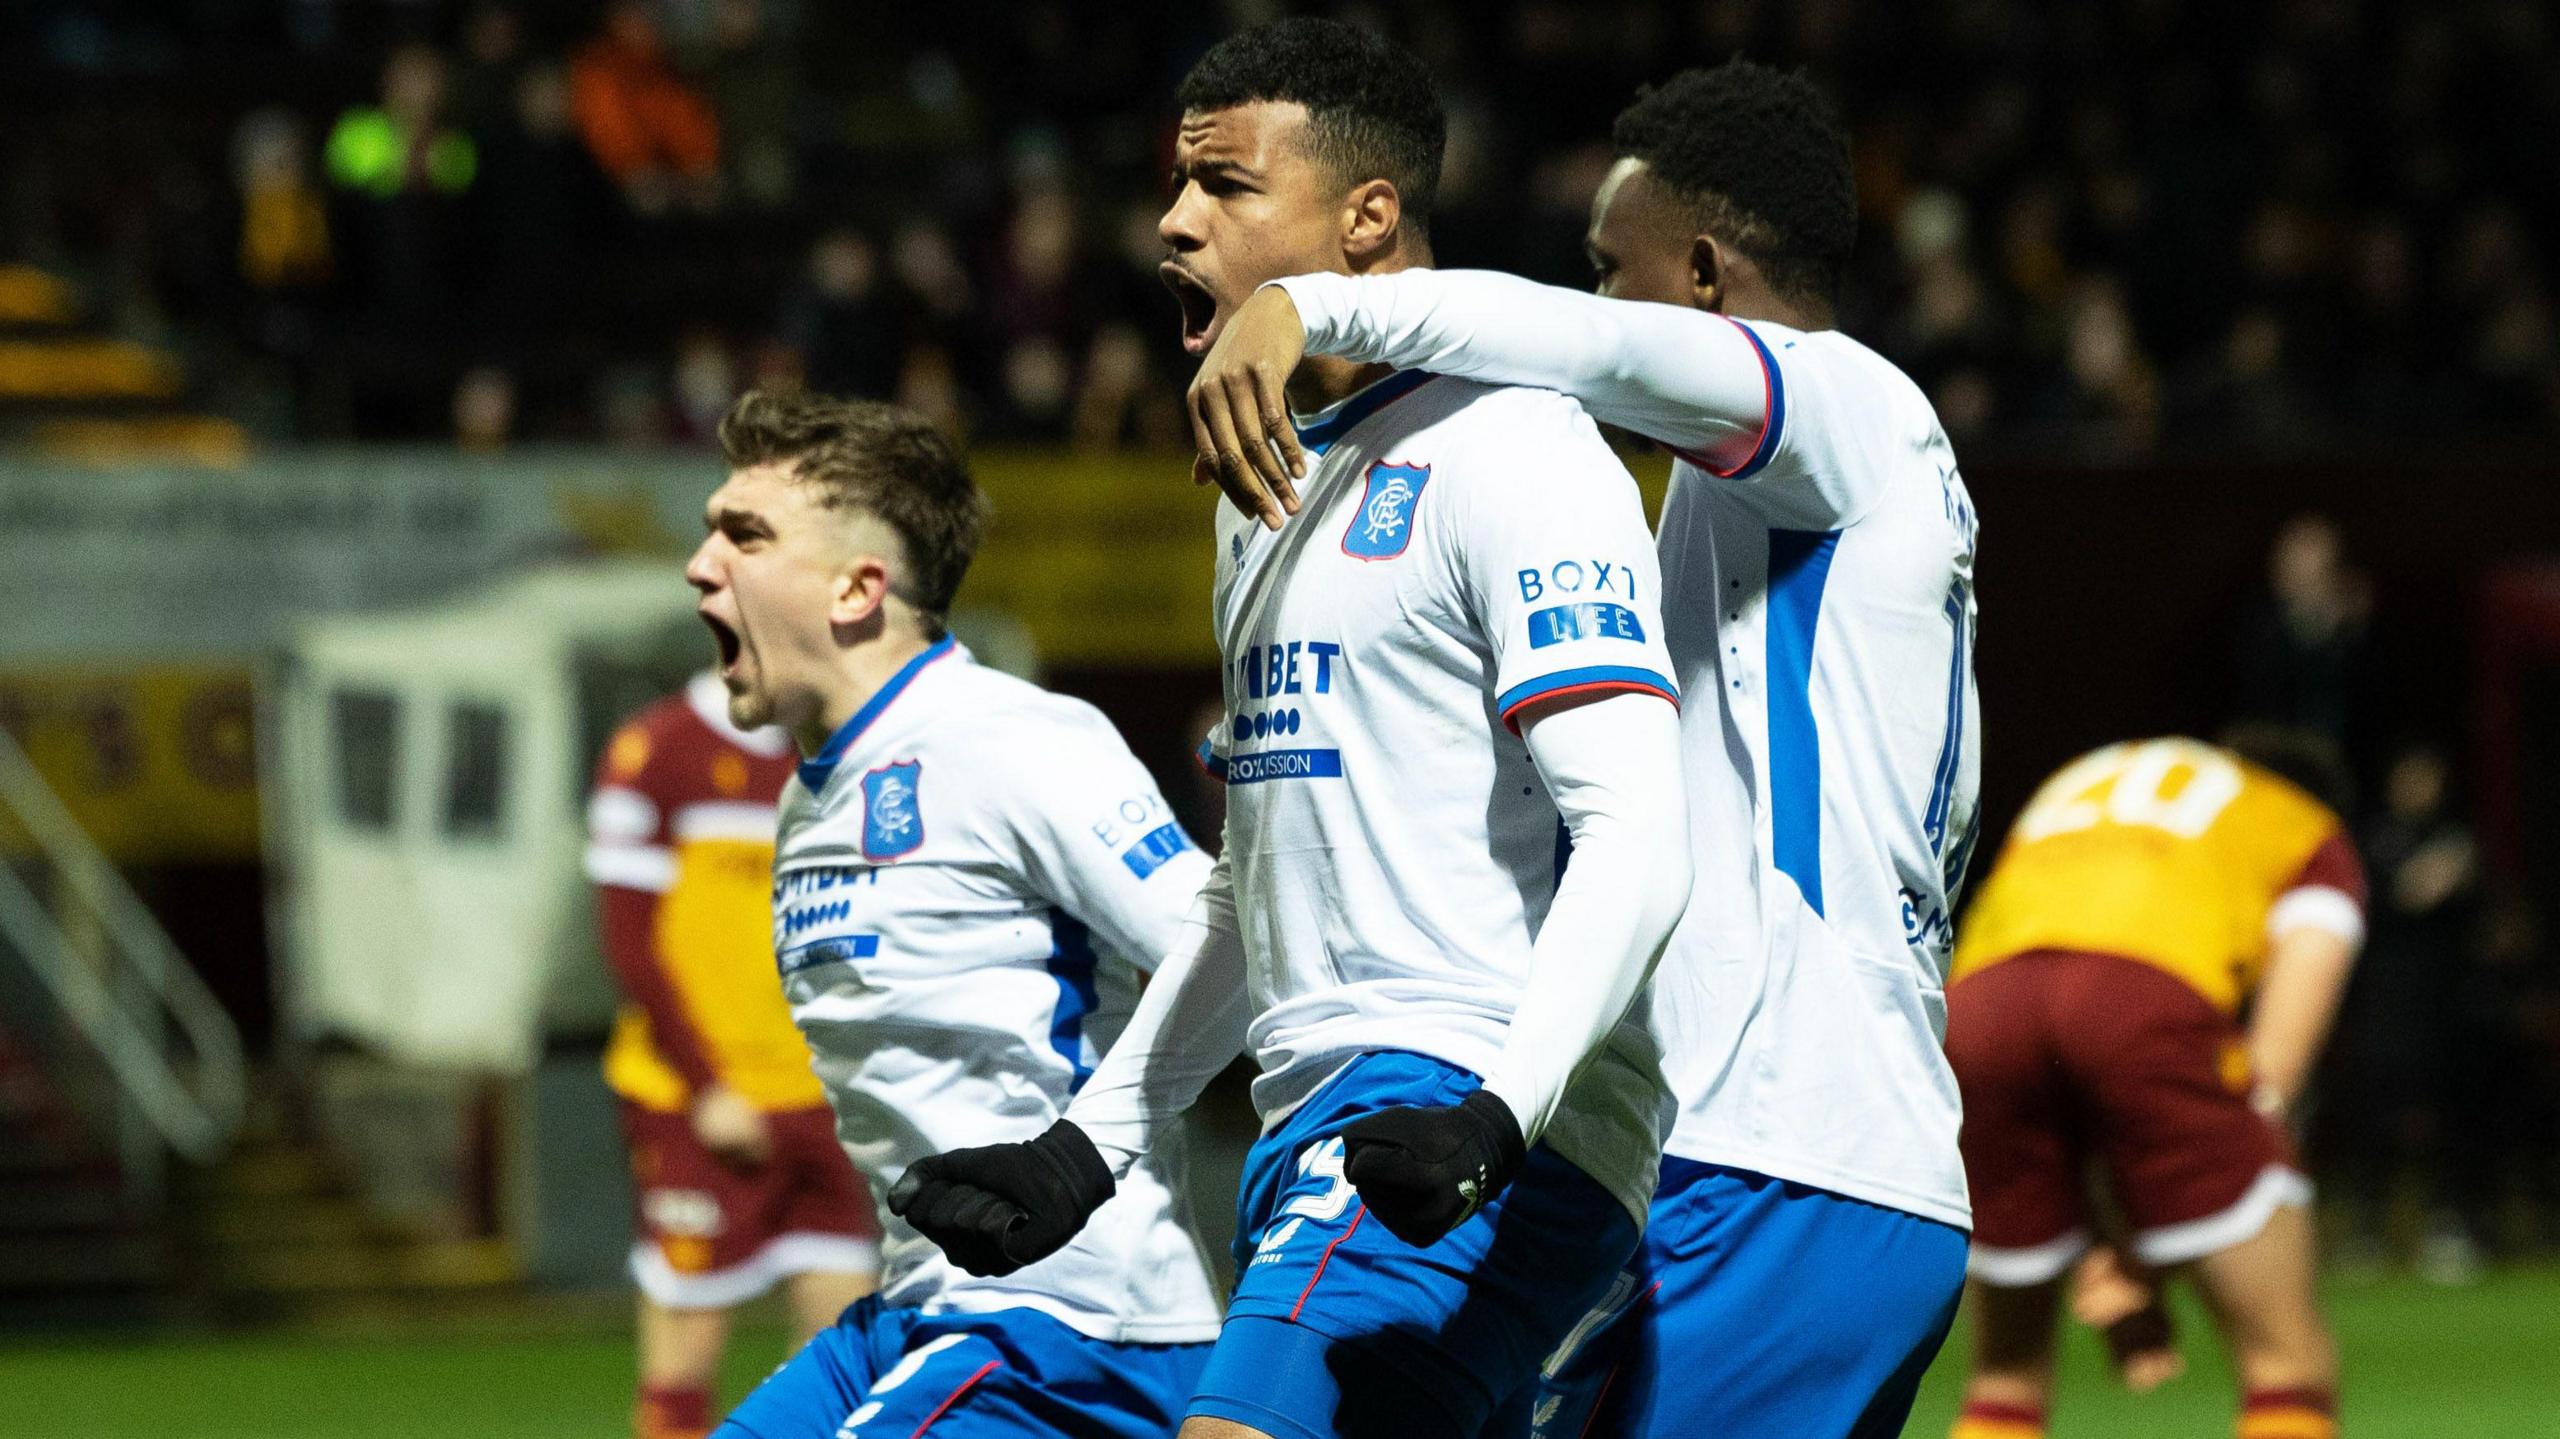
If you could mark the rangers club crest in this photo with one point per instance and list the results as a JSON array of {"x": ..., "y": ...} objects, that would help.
[
  {"x": 891, "y": 823},
  {"x": 1383, "y": 525}
]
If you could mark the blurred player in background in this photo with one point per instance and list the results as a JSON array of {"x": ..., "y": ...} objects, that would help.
[
  {"x": 734, "y": 1162},
  {"x": 1806, "y": 1248},
  {"x": 1455, "y": 835},
  {"x": 970, "y": 874},
  {"x": 2150, "y": 892}
]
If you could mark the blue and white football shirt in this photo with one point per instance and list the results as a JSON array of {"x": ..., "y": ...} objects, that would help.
[
  {"x": 968, "y": 879},
  {"x": 1463, "y": 552}
]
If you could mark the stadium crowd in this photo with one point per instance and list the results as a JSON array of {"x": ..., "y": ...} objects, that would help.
[
  {"x": 2094, "y": 229},
  {"x": 2100, "y": 227}
]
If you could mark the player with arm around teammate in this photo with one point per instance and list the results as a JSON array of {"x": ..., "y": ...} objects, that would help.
[
  {"x": 2148, "y": 893},
  {"x": 1455, "y": 838},
  {"x": 969, "y": 872},
  {"x": 1806, "y": 1248}
]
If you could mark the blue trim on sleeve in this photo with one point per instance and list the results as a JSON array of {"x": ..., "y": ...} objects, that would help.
[
  {"x": 1773, "y": 429},
  {"x": 1616, "y": 676},
  {"x": 1319, "y": 436},
  {"x": 1071, "y": 964},
  {"x": 818, "y": 768},
  {"x": 1799, "y": 567},
  {"x": 1211, "y": 762}
]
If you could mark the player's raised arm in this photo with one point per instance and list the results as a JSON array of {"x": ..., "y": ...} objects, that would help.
[{"x": 1692, "y": 380}]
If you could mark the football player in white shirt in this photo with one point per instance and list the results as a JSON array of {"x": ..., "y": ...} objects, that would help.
[
  {"x": 1455, "y": 838},
  {"x": 1808, "y": 1244},
  {"x": 967, "y": 868}
]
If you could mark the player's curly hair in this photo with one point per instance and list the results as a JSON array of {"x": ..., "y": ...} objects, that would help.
[
  {"x": 885, "y": 460},
  {"x": 1373, "y": 112},
  {"x": 1762, "y": 158}
]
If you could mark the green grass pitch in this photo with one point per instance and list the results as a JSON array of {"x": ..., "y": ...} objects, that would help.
[{"x": 2421, "y": 1363}]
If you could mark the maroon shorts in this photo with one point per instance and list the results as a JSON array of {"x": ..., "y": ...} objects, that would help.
[
  {"x": 708, "y": 1235},
  {"x": 2069, "y": 1061}
]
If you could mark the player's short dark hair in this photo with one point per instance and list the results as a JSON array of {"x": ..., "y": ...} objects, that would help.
[
  {"x": 1762, "y": 158},
  {"x": 2310, "y": 761},
  {"x": 885, "y": 460},
  {"x": 1372, "y": 111}
]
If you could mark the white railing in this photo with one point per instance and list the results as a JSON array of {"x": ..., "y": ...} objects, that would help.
[{"x": 121, "y": 989}]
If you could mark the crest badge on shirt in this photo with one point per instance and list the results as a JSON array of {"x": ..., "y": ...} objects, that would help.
[
  {"x": 1383, "y": 525},
  {"x": 891, "y": 823}
]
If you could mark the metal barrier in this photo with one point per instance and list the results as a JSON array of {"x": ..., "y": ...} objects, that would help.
[{"x": 138, "y": 1044}]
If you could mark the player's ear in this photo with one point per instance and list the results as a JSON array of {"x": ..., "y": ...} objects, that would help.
[
  {"x": 1708, "y": 273},
  {"x": 1373, "y": 213},
  {"x": 861, "y": 588}
]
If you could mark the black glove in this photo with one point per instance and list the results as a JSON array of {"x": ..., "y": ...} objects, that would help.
[
  {"x": 998, "y": 1207},
  {"x": 1423, "y": 1171}
]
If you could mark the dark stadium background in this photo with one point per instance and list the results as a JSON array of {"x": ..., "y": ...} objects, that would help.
[{"x": 2182, "y": 278}]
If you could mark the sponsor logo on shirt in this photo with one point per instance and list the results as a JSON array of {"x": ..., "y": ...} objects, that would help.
[
  {"x": 1268, "y": 1251},
  {"x": 1383, "y": 526},
  {"x": 891, "y": 824},
  {"x": 1561, "y": 624}
]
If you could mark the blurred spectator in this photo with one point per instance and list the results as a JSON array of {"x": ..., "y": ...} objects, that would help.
[
  {"x": 2302, "y": 643},
  {"x": 484, "y": 82},
  {"x": 755, "y": 86},
  {"x": 403, "y": 146},
  {"x": 402, "y": 168},
  {"x": 650, "y": 129},
  {"x": 484, "y": 411},
  {"x": 284, "y": 222},
  {"x": 844, "y": 319},
  {"x": 539, "y": 206},
  {"x": 2384, "y": 1109},
  {"x": 705, "y": 385}
]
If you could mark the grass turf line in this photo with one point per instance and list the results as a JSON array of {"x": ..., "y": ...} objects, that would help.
[{"x": 2421, "y": 1363}]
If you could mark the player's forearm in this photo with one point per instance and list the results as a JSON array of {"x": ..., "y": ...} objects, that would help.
[
  {"x": 628, "y": 921},
  {"x": 2306, "y": 976},
  {"x": 1189, "y": 1023},
  {"x": 1686, "y": 378},
  {"x": 1613, "y": 768}
]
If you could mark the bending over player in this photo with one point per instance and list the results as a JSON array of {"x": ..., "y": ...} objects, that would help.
[
  {"x": 2148, "y": 893},
  {"x": 1807, "y": 1245},
  {"x": 738, "y": 1181},
  {"x": 1457, "y": 646},
  {"x": 967, "y": 867}
]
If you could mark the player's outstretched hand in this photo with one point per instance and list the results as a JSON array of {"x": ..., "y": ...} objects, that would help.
[
  {"x": 998, "y": 1207},
  {"x": 1240, "y": 408},
  {"x": 1423, "y": 1171}
]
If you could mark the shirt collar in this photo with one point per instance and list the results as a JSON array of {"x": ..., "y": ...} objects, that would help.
[
  {"x": 1318, "y": 432},
  {"x": 818, "y": 768}
]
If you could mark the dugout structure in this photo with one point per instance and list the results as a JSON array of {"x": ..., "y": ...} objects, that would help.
[{"x": 424, "y": 778}]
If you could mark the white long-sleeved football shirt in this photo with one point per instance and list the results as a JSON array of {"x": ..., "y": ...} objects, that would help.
[
  {"x": 1394, "y": 852},
  {"x": 968, "y": 877}
]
